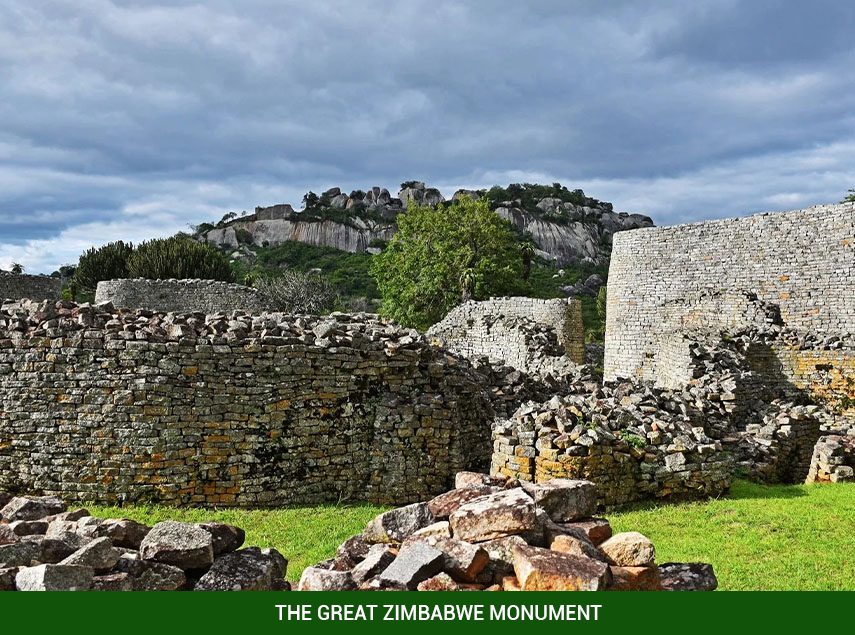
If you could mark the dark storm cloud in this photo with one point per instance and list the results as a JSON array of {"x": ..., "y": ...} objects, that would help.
[{"x": 133, "y": 119}]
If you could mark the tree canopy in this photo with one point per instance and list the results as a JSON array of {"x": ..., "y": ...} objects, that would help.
[{"x": 442, "y": 256}]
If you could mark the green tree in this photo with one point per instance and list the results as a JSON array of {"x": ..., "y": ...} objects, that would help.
[
  {"x": 17, "y": 268},
  {"x": 850, "y": 198},
  {"x": 108, "y": 262},
  {"x": 310, "y": 200},
  {"x": 527, "y": 250},
  {"x": 178, "y": 257},
  {"x": 440, "y": 256},
  {"x": 601, "y": 303}
]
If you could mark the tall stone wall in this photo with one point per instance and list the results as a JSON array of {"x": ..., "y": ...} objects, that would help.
[
  {"x": 803, "y": 262},
  {"x": 120, "y": 406},
  {"x": 18, "y": 286},
  {"x": 519, "y": 331},
  {"x": 204, "y": 296}
]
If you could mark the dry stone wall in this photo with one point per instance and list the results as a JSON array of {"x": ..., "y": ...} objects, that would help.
[
  {"x": 522, "y": 332},
  {"x": 207, "y": 296},
  {"x": 111, "y": 406},
  {"x": 19, "y": 286},
  {"x": 707, "y": 275}
]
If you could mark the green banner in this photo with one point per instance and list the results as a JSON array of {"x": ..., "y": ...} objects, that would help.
[{"x": 416, "y": 612}]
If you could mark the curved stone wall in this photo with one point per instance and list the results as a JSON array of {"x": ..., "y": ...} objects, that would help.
[
  {"x": 519, "y": 331},
  {"x": 18, "y": 286},
  {"x": 203, "y": 296},
  {"x": 801, "y": 261},
  {"x": 121, "y": 406}
]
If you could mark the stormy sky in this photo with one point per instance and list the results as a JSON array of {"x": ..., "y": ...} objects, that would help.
[{"x": 131, "y": 120}]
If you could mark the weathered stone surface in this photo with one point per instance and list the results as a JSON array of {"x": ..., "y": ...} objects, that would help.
[
  {"x": 354, "y": 548},
  {"x": 544, "y": 570},
  {"x": 470, "y": 479},
  {"x": 58, "y": 547},
  {"x": 635, "y": 579},
  {"x": 183, "y": 545},
  {"x": 463, "y": 560},
  {"x": 493, "y": 516},
  {"x": 314, "y": 579},
  {"x": 577, "y": 546},
  {"x": 113, "y": 582},
  {"x": 54, "y": 577},
  {"x": 7, "y": 578},
  {"x": 446, "y": 504},
  {"x": 123, "y": 532},
  {"x": 98, "y": 554},
  {"x": 244, "y": 570},
  {"x": 7, "y": 535},
  {"x": 19, "y": 554},
  {"x": 439, "y": 582},
  {"x": 501, "y": 552},
  {"x": 687, "y": 576},
  {"x": 152, "y": 576},
  {"x": 31, "y": 508},
  {"x": 28, "y": 527},
  {"x": 598, "y": 530},
  {"x": 225, "y": 538},
  {"x": 510, "y": 583},
  {"x": 564, "y": 500},
  {"x": 414, "y": 564},
  {"x": 376, "y": 561},
  {"x": 395, "y": 525},
  {"x": 630, "y": 549}
]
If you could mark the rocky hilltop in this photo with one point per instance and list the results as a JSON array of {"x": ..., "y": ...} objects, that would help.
[{"x": 566, "y": 226}]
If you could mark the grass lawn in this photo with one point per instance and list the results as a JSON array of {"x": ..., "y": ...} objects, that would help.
[{"x": 784, "y": 537}]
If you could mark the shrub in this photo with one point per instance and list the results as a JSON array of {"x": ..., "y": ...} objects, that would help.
[
  {"x": 108, "y": 262},
  {"x": 297, "y": 292},
  {"x": 178, "y": 257}
]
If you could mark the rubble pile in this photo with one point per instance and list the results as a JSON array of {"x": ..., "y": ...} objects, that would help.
[
  {"x": 493, "y": 533},
  {"x": 44, "y": 547}
]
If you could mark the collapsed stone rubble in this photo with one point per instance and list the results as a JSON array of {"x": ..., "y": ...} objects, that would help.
[
  {"x": 44, "y": 547},
  {"x": 493, "y": 533}
]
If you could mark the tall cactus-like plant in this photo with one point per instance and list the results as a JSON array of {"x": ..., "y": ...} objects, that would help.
[
  {"x": 107, "y": 262},
  {"x": 179, "y": 257}
]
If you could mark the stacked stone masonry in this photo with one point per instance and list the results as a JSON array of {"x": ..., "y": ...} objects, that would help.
[
  {"x": 112, "y": 406},
  {"x": 798, "y": 266},
  {"x": 522, "y": 332},
  {"x": 19, "y": 286},
  {"x": 205, "y": 296}
]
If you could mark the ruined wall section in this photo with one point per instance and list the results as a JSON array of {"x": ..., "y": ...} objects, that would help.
[
  {"x": 802, "y": 261},
  {"x": 203, "y": 296},
  {"x": 120, "y": 406},
  {"x": 519, "y": 331},
  {"x": 18, "y": 286}
]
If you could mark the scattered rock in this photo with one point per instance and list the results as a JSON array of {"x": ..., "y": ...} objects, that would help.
[
  {"x": 687, "y": 576},
  {"x": 544, "y": 570},
  {"x": 314, "y": 579},
  {"x": 244, "y": 570},
  {"x": 630, "y": 549},
  {"x": 414, "y": 564},
  {"x": 493, "y": 516},
  {"x": 395, "y": 525},
  {"x": 183, "y": 545},
  {"x": 55, "y": 577},
  {"x": 31, "y": 508},
  {"x": 564, "y": 500}
]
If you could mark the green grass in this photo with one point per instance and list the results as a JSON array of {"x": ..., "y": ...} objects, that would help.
[{"x": 763, "y": 537}]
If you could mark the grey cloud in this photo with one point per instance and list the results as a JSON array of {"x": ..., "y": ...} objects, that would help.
[{"x": 190, "y": 109}]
